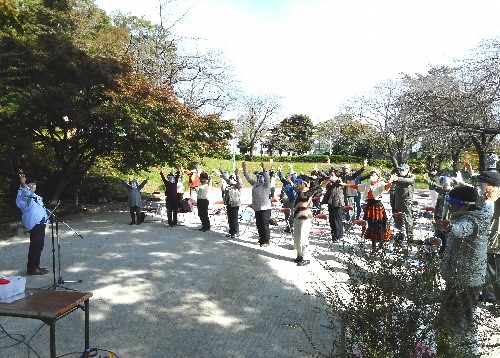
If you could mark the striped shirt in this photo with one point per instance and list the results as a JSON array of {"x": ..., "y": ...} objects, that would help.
[{"x": 302, "y": 206}]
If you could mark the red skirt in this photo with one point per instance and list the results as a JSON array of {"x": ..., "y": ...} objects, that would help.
[{"x": 376, "y": 218}]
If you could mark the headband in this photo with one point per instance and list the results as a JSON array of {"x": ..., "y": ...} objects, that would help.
[{"x": 457, "y": 201}]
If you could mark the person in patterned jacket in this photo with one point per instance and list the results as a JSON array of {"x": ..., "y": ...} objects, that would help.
[{"x": 463, "y": 268}]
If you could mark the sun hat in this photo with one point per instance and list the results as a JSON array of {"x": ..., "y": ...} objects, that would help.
[
  {"x": 462, "y": 195},
  {"x": 489, "y": 177}
]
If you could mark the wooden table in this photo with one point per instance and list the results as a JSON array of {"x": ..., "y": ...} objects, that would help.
[{"x": 49, "y": 305}]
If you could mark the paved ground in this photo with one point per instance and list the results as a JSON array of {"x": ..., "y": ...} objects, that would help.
[{"x": 161, "y": 292}]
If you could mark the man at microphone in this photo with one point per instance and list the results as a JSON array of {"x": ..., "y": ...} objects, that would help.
[{"x": 33, "y": 217}]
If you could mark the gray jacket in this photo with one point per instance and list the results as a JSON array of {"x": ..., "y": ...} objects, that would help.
[
  {"x": 134, "y": 194},
  {"x": 404, "y": 188},
  {"x": 260, "y": 192},
  {"x": 464, "y": 261},
  {"x": 233, "y": 192}
]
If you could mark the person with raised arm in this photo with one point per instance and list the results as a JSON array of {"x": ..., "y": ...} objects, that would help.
[{"x": 261, "y": 203}]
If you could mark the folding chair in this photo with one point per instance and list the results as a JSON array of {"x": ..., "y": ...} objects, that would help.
[
  {"x": 321, "y": 227},
  {"x": 316, "y": 205},
  {"x": 247, "y": 219},
  {"x": 218, "y": 215},
  {"x": 286, "y": 225}
]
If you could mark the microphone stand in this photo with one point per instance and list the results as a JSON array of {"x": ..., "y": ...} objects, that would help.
[{"x": 55, "y": 239}]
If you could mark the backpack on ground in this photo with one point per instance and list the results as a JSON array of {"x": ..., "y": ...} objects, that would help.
[{"x": 187, "y": 205}]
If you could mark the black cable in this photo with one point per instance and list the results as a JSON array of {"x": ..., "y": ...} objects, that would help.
[
  {"x": 93, "y": 353},
  {"x": 19, "y": 341},
  {"x": 33, "y": 336}
]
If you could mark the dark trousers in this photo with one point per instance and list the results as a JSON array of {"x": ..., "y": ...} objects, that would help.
[
  {"x": 37, "y": 240},
  {"x": 180, "y": 197},
  {"x": 203, "y": 213},
  {"x": 491, "y": 291},
  {"x": 135, "y": 211},
  {"x": 289, "y": 215},
  {"x": 335, "y": 215},
  {"x": 457, "y": 326},
  {"x": 262, "y": 218},
  {"x": 271, "y": 192},
  {"x": 172, "y": 206},
  {"x": 407, "y": 221},
  {"x": 232, "y": 219}
]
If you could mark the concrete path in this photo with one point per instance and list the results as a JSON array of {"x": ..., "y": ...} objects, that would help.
[{"x": 161, "y": 292}]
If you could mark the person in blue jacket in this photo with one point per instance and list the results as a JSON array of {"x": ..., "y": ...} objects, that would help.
[
  {"x": 288, "y": 194},
  {"x": 34, "y": 218}
]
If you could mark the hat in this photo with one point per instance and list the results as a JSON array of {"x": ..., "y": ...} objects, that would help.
[
  {"x": 461, "y": 195},
  {"x": 299, "y": 181},
  {"x": 346, "y": 166},
  {"x": 403, "y": 166},
  {"x": 204, "y": 176},
  {"x": 489, "y": 177},
  {"x": 376, "y": 171},
  {"x": 491, "y": 160},
  {"x": 443, "y": 179}
]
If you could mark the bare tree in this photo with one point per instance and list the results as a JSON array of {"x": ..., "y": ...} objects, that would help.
[
  {"x": 203, "y": 81},
  {"x": 258, "y": 119},
  {"x": 384, "y": 109},
  {"x": 463, "y": 99}
]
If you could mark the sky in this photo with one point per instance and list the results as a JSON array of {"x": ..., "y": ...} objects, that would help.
[{"x": 317, "y": 54}]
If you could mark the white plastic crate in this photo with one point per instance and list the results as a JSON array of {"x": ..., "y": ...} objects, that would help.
[{"x": 16, "y": 286}]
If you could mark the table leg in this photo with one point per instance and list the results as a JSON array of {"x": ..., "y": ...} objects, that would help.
[
  {"x": 52, "y": 325},
  {"x": 87, "y": 326}
]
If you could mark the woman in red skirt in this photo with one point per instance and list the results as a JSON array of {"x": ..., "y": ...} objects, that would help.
[{"x": 377, "y": 230}]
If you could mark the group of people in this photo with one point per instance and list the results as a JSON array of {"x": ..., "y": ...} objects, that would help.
[{"x": 466, "y": 219}]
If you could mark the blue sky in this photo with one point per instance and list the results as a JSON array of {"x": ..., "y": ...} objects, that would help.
[{"x": 316, "y": 54}]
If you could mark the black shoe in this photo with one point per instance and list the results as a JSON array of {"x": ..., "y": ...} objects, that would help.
[
  {"x": 132, "y": 223},
  {"x": 38, "y": 271},
  {"x": 298, "y": 259},
  {"x": 205, "y": 229},
  {"x": 229, "y": 235},
  {"x": 303, "y": 263},
  {"x": 201, "y": 229}
]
